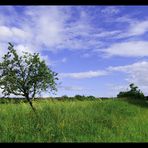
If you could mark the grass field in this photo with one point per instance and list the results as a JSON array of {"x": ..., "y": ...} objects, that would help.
[{"x": 75, "y": 121}]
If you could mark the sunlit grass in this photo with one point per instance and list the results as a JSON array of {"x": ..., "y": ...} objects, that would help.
[{"x": 74, "y": 121}]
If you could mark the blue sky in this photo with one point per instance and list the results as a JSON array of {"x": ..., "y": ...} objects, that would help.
[{"x": 97, "y": 50}]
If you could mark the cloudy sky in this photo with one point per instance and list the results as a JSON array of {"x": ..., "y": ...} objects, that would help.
[{"x": 97, "y": 50}]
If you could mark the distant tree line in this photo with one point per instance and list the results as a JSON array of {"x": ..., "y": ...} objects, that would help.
[
  {"x": 62, "y": 98},
  {"x": 133, "y": 93}
]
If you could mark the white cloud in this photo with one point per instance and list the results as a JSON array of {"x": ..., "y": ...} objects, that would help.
[
  {"x": 19, "y": 33},
  {"x": 117, "y": 87},
  {"x": 36, "y": 27},
  {"x": 137, "y": 72},
  {"x": 114, "y": 89},
  {"x": 135, "y": 28},
  {"x": 125, "y": 19},
  {"x": 132, "y": 26},
  {"x": 72, "y": 88},
  {"x": 21, "y": 48},
  {"x": 47, "y": 60},
  {"x": 46, "y": 26},
  {"x": 139, "y": 28},
  {"x": 31, "y": 49},
  {"x": 13, "y": 33},
  {"x": 54, "y": 28},
  {"x": 128, "y": 49},
  {"x": 110, "y": 10},
  {"x": 82, "y": 75},
  {"x": 5, "y": 32}
]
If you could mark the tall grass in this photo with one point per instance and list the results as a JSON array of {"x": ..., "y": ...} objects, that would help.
[{"x": 74, "y": 121}]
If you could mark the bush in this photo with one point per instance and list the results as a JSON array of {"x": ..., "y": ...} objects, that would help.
[
  {"x": 65, "y": 97},
  {"x": 79, "y": 97},
  {"x": 91, "y": 98},
  {"x": 134, "y": 93}
]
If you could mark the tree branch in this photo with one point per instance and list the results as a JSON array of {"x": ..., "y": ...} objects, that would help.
[{"x": 34, "y": 90}]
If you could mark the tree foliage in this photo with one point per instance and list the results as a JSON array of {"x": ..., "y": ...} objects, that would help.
[
  {"x": 25, "y": 75},
  {"x": 134, "y": 92}
]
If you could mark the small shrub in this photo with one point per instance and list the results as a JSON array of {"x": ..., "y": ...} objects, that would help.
[
  {"x": 91, "y": 98},
  {"x": 65, "y": 97},
  {"x": 79, "y": 97}
]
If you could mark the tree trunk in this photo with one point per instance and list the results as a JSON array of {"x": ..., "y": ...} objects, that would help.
[{"x": 30, "y": 102}]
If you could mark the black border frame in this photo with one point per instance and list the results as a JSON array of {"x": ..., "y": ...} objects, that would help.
[{"x": 73, "y": 2}]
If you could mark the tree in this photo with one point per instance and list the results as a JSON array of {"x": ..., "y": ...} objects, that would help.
[
  {"x": 133, "y": 88},
  {"x": 134, "y": 92},
  {"x": 25, "y": 75}
]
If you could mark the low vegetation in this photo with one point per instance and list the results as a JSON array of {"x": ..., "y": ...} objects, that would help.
[{"x": 106, "y": 120}]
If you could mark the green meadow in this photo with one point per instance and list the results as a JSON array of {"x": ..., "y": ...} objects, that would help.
[{"x": 97, "y": 120}]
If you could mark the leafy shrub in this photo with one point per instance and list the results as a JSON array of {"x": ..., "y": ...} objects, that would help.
[
  {"x": 82, "y": 98},
  {"x": 134, "y": 92},
  {"x": 91, "y": 98},
  {"x": 79, "y": 97},
  {"x": 64, "y": 97}
]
